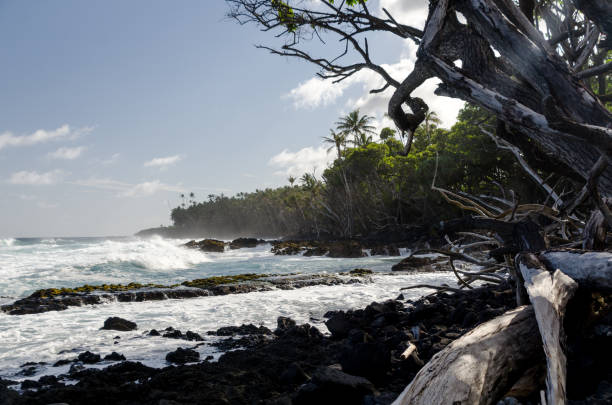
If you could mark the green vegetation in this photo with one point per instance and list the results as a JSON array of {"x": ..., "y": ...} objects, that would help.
[
  {"x": 371, "y": 187},
  {"x": 360, "y": 272},
  {"x": 52, "y": 292},
  {"x": 112, "y": 288},
  {"x": 218, "y": 280}
]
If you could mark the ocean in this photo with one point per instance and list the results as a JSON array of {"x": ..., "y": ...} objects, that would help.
[{"x": 29, "y": 264}]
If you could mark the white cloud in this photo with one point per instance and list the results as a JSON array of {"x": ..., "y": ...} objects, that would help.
[
  {"x": 317, "y": 92},
  {"x": 412, "y": 12},
  {"x": 104, "y": 184},
  {"x": 149, "y": 188},
  {"x": 36, "y": 179},
  {"x": 163, "y": 162},
  {"x": 67, "y": 153},
  {"x": 303, "y": 161},
  {"x": 124, "y": 189},
  {"x": 41, "y": 135}
]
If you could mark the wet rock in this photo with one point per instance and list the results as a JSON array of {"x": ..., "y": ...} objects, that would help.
[
  {"x": 88, "y": 358},
  {"x": 207, "y": 245},
  {"x": 173, "y": 334},
  {"x": 63, "y": 362},
  {"x": 284, "y": 323},
  {"x": 114, "y": 356},
  {"x": 339, "y": 325},
  {"x": 27, "y": 371},
  {"x": 243, "y": 329},
  {"x": 30, "y": 384},
  {"x": 316, "y": 251},
  {"x": 245, "y": 243},
  {"x": 244, "y": 342},
  {"x": 75, "y": 368},
  {"x": 361, "y": 272},
  {"x": 189, "y": 335},
  {"x": 154, "y": 332},
  {"x": 285, "y": 248},
  {"x": 48, "y": 380},
  {"x": 120, "y": 324},
  {"x": 182, "y": 356}
]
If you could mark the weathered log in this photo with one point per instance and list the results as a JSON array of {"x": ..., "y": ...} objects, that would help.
[
  {"x": 549, "y": 294},
  {"x": 589, "y": 269},
  {"x": 481, "y": 366}
]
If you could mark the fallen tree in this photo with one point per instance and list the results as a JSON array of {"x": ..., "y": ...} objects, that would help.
[{"x": 542, "y": 69}]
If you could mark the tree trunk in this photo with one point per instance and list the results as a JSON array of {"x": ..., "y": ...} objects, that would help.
[{"x": 549, "y": 295}]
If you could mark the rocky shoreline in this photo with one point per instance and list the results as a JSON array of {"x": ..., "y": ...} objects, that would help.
[
  {"x": 54, "y": 299},
  {"x": 369, "y": 357},
  {"x": 359, "y": 362}
]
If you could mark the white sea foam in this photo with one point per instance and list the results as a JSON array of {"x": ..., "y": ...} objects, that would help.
[
  {"x": 7, "y": 242},
  {"x": 52, "y": 263},
  {"x": 53, "y": 335}
]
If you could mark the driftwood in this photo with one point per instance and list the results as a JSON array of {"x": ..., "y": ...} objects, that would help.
[
  {"x": 549, "y": 295},
  {"x": 589, "y": 269},
  {"x": 481, "y": 366},
  {"x": 495, "y": 358}
]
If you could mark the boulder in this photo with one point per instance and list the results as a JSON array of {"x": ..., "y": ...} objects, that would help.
[
  {"x": 243, "y": 329},
  {"x": 244, "y": 243},
  {"x": 114, "y": 356},
  {"x": 89, "y": 357},
  {"x": 288, "y": 248},
  {"x": 120, "y": 324},
  {"x": 210, "y": 245},
  {"x": 182, "y": 356},
  {"x": 339, "y": 325}
]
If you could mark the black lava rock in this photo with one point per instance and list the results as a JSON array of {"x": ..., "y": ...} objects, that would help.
[
  {"x": 182, "y": 356},
  {"x": 114, "y": 356},
  {"x": 89, "y": 357},
  {"x": 120, "y": 324}
]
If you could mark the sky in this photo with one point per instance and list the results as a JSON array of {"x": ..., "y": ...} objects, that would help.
[{"x": 110, "y": 109}]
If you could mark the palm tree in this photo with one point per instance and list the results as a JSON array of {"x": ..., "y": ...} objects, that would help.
[
  {"x": 430, "y": 122},
  {"x": 337, "y": 140},
  {"x": 357, "y": 126},
  {"x": 362, "y": 139},
  {"x": 291, "y": 180}
]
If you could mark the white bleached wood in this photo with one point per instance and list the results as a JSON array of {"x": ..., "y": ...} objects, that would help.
[
  {"x": 480, "y": 366},
  {"x": 589, "y": 269},
  {"x": 549, "y": 294}
]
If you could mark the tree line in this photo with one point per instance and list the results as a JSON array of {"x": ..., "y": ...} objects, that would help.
[{"x": 372, "y": 186}]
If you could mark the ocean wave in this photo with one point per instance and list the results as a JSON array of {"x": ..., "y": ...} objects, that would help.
[{"x": 7, "y": 242}]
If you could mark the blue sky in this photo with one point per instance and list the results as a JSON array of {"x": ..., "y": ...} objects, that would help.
[{"x": 109, "y": 109}]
